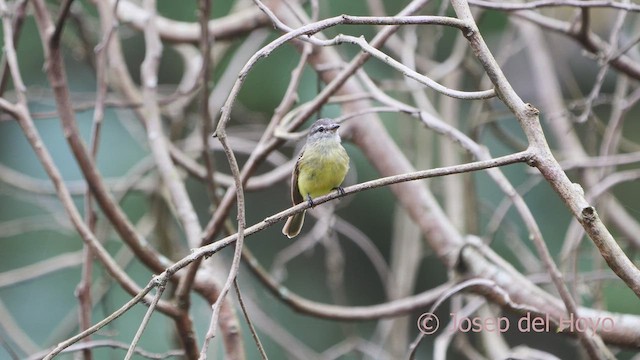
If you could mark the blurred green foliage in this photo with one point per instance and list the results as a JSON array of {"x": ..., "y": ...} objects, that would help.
[{"x": 46, "y": 307}]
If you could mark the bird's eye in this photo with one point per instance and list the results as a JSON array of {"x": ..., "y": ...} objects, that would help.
[{"x": 321, "y": 129}]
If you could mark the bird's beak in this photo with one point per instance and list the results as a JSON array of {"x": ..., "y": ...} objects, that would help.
[{"x": 334, "y": 127}]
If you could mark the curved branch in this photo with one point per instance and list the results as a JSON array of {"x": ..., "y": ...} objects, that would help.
[
  {"x": 406, "y": 71},
  {"x": 556, "y": 3},
  {"x": 590, "y": 41},
  {"x": 228, "y": 27}
]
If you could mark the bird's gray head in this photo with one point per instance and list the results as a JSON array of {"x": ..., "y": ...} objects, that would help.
[{"x": 323, "y": 129}]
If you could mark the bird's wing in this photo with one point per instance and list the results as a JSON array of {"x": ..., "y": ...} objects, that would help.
[{"x": 296, "y": 197}]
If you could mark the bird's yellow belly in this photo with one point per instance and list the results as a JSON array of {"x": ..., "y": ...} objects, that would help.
[{"x": 318, "y": 175}]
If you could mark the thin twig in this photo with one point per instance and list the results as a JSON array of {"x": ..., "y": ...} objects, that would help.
[
  {"x": 556, "y": 3},
  {"x": 252, "y": 329},
  {"x": 94, "y": 344},
  {"x": 107, "y": 320},
  {"x": 145, "y": 321}
]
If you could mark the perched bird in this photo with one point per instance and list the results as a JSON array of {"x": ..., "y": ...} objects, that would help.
[{"x": 321, "y": 167}]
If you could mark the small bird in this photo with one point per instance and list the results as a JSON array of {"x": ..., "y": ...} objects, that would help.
[{"x": 321, "y": 167}]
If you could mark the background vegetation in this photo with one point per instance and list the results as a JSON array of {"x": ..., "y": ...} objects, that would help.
[{"x": 503, "y": 242}]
